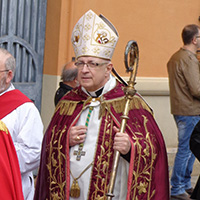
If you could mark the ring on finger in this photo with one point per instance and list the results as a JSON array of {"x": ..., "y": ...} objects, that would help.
[{"x": 78, "y": 138}]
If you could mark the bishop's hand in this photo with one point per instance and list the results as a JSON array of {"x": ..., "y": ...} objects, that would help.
[
  {"x": 77, "y": 135},
  {"x": 121, "y": 142}
]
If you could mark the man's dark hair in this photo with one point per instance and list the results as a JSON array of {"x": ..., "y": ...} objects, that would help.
[
  {"x": 68, "y": 74},
  {"x": 189, "y": 32}
]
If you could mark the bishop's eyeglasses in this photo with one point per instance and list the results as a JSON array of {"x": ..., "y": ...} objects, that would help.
[{"x": 90, "y": 65}]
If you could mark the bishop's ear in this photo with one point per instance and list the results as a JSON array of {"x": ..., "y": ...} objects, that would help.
[{"x": 109, "y": 68}]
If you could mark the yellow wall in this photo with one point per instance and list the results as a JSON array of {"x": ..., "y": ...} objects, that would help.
[{"x": 155, "y": 25}]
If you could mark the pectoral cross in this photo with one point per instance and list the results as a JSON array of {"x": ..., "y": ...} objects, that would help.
[{"x": 79, "y": 153}]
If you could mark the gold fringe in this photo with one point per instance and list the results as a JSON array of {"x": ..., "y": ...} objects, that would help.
[
  {"x": 119, "y": 104},
  {"x": 3, "y": 127},
  {"x": 66, "y": 107}
]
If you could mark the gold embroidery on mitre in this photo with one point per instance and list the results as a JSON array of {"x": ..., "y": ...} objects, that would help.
[
  {"x": 77, "y": 34},
  {"x": 89, "y": 16},
  {"x": 103, "y": 35},
  {"x": 86, "y": 37},
  {"x": 3, "y": 127},
  {"x": 85, "y": 50},
  {"x": 76, "y": 38},
  {"x": 87, "y": 27},
  {"x": 96, "y": 50},
  {"x": 101, "y": 38},
  {"x": 107, "y": 52}
]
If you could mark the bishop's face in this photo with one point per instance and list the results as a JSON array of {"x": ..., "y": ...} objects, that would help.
[{"x": 93, "y": 73}]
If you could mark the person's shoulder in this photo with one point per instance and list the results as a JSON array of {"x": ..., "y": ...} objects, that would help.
[
  {"x": 180, "y": 53},
  {"x": 182, "y": 57},
  {"x": 74, "y": 96},
  {"x": 28, "y": 108}
]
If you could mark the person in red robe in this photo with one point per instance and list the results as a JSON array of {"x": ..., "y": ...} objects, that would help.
[
  {"x": 79, "y": 144},
  {"x": 10, "y": 186}
]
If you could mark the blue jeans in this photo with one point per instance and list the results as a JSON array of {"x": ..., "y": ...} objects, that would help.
[{"x": 184, "y": 160}]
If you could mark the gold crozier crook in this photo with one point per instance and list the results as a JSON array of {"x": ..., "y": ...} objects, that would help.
[{"x": 131, "y": 54}]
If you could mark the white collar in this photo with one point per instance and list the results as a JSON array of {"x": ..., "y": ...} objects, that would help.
[{"x": 11, "y": 87}]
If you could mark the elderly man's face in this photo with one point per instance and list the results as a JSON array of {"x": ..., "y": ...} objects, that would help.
[
  {"x": 2, "y": 82},
  {"x": 94, "y": 73},
  {"x": 5, "y": 75}
]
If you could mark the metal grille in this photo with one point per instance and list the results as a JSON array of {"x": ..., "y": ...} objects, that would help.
[{"x": 22, "y": 32}]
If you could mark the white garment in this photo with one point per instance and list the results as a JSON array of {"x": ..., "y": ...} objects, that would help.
[
  {"x": 26, "y": 129},
  {"x": 77, "y": 167}
]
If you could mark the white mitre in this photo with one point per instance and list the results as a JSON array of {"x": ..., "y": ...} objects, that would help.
[{"x": 94, "y": 35}]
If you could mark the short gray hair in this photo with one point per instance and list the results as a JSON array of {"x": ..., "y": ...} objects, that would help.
[
  {"x": 10, "y": 63},
  {"x": 68, "y": 74}
]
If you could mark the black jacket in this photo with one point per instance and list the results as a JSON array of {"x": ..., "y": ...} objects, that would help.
[{"x": 61, "y": 91}]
